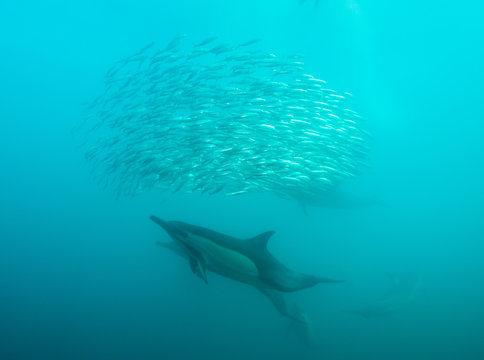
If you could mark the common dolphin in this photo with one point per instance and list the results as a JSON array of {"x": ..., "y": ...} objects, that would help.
[
  {"x": 336, "y": 198},
  {"x": 402, "y": 293},
  {"x": 244, "y": 260}
]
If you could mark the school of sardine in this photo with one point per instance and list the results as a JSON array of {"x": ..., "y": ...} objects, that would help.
[{"x": 221, "y": 118}]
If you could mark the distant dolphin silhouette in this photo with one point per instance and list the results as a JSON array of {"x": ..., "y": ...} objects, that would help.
[
  {"x": 247, "y": 261},
  {"x": 336, "y": 199},
  {"x": 401, "y": 295}
]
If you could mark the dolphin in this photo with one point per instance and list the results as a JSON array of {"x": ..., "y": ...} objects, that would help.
[
  {"x": 336, "y": 198},
  {"x": 402, "y": 293},
  {"x": 243, "y": 260}
]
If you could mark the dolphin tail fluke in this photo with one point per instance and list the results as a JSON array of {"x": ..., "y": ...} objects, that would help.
[
  {"x": 300, "y": 323},
  {"x": 302, "y": 327}
]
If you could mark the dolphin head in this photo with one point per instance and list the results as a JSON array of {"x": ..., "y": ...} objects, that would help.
[{"x": 173, "y": 228}]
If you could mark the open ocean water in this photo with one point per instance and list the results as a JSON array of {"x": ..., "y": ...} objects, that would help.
[{"x": 81, "y": 276}]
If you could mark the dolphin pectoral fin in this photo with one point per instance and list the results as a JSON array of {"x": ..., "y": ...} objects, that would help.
[
  {"x": 196, "y": 263},
  {"x": 326, "y": 280},
  {"x": 198, "y": 268},
  {"x": 167, "y": 245}
]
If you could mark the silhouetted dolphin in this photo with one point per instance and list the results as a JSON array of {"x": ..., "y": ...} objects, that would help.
[
  {"x": 247, "y": 261},
  {"x": 404, "y": 289},
  {"x": 336, "y": 199}
]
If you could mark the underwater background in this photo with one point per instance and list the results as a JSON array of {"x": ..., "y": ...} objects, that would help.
[{"x": 80, "y": 274}]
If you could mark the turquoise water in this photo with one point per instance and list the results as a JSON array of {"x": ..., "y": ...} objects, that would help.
[{"x": 80, "y": 274}]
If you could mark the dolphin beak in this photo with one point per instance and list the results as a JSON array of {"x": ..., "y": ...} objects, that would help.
[
  {"x": 160, "y": 222},
  {"x": 168, "y": 226}
]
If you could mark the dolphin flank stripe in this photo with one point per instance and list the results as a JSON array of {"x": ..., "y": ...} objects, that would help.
[
  {"x": 232, "y": 260},
  {"x": 247, "y": 261}
]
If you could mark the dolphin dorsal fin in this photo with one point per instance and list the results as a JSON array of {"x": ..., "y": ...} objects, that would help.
[{"x": 261, "y": 240}]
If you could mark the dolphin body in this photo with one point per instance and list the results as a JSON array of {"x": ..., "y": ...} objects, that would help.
[
  {"x": 404, "y": 289},
  {"x": 247, "y": 261},
  {"x": 336, "y": 198}
]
